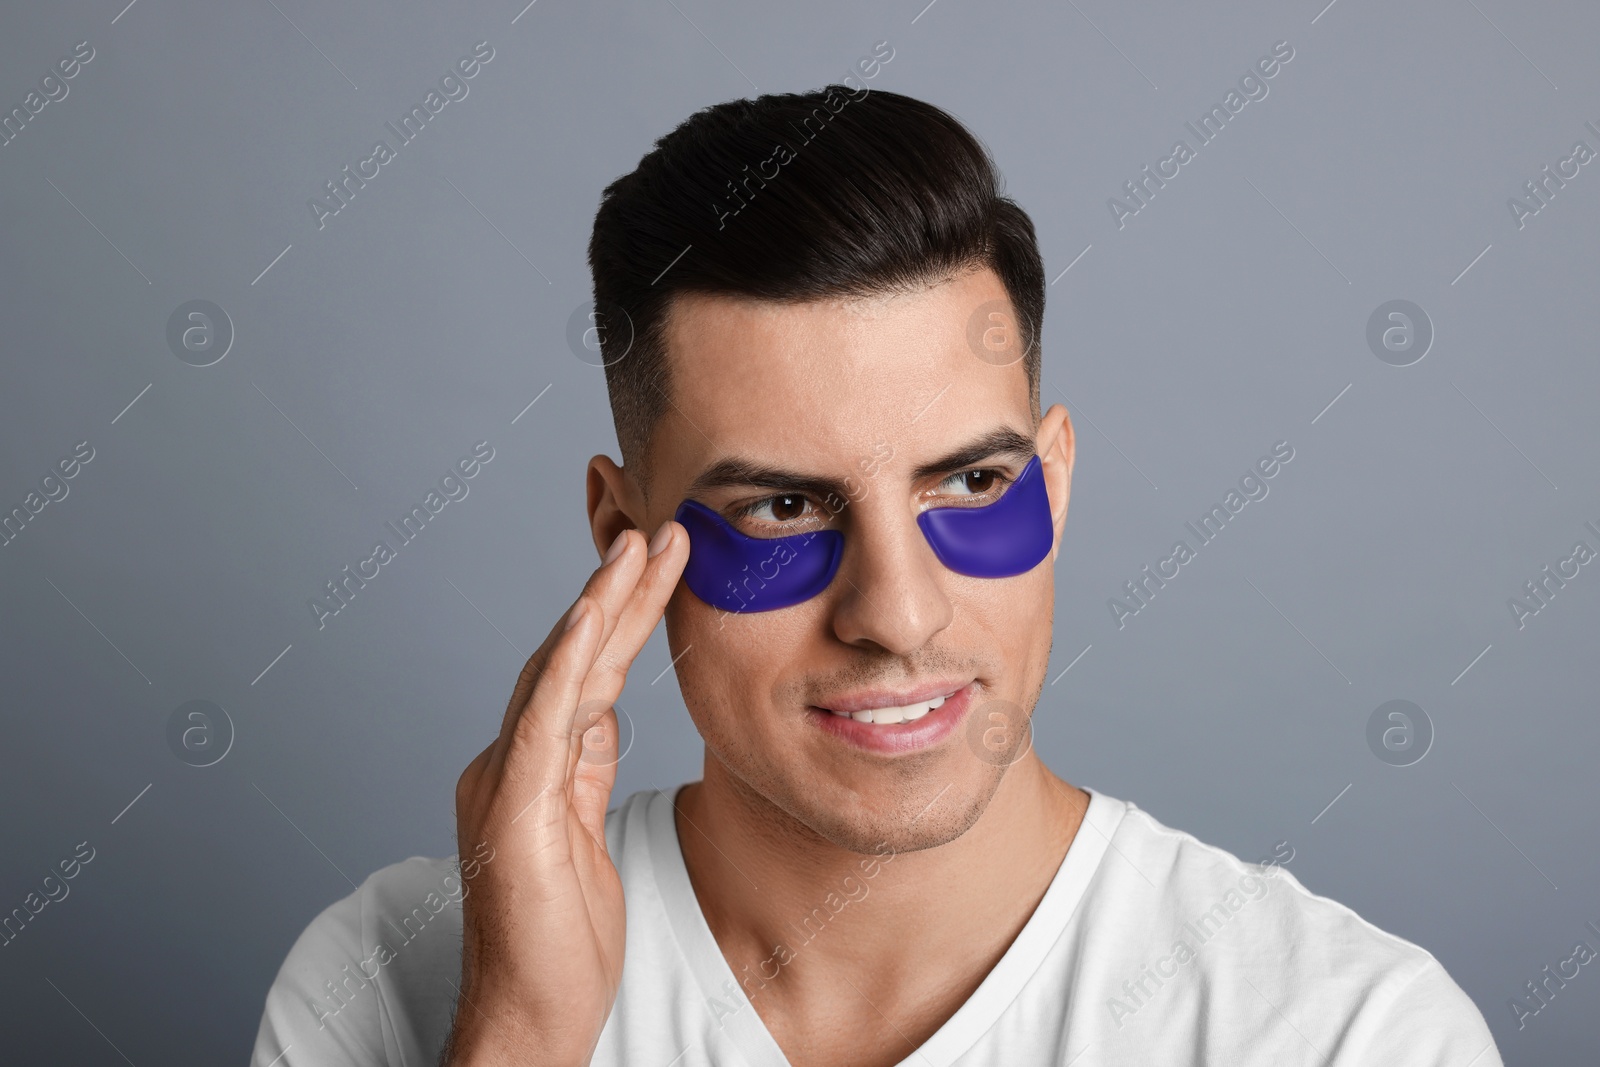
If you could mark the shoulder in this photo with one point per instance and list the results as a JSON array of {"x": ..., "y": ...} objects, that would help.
[
  {"x": 370, "y": 980},
  {"x": 1245, "y": 944},
  {"x": 1212, "y": 890},
  {"x": 342, "y": 990}
]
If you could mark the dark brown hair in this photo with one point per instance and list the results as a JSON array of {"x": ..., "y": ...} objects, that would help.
[{"x": 793, "y": 197}]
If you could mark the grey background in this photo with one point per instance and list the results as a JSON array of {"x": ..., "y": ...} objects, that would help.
[{"x": 427, "y": 314}]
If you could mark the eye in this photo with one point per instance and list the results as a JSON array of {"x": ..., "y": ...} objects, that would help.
[
  {"x": 782, "y": 514},
  {"x": 973, "y": 482},
  {"x": 785, "y": 508}
]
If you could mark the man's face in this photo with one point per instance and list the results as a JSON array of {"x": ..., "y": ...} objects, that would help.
[{"x": 885, "y": 400}]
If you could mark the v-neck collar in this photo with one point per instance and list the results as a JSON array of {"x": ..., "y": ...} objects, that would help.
[{"x": 749, "y": 1036}]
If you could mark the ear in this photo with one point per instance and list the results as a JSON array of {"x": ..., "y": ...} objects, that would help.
[
  {"x": 615, "y": 503},
  {"x": 1055, "y": 445}
]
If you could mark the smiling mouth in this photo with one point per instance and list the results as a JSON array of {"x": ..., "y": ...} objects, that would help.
[
  {"x": 874, "y": 725},
  {"x": 891, "y": 715},
  {"x": 888, "y": 707}
]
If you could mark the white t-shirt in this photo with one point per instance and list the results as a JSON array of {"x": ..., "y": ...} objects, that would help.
[{"x": 1149, "y": 947}]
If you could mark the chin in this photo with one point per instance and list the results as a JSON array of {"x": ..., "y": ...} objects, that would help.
[{"x": 901, "y": 820}]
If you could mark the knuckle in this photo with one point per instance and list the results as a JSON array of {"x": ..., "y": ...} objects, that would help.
[
  {"x": 467, "y": 783},
  {"x": 530, "y": 735},
  {"x": 610, "y": 669}
]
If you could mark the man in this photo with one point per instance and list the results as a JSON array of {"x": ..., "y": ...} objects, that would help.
[{"x": 821, "y": 325}]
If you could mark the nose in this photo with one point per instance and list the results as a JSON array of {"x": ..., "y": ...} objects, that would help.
[{"x": 890, "y": 584}]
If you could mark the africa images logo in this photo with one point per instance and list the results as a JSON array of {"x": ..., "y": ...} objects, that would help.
[
  {"x": 452, "y": 87},
  {"x": 453, "y": 486},
  {"x": 1252, "y": 86}
]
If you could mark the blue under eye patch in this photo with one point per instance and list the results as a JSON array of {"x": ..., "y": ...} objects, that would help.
[{"x": 739, "y": 573}]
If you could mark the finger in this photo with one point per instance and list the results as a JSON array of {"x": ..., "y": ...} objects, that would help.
[
  {"x": 642, "y": 611},
  {"x": 596, "y": 738},
  {"x": 630, "y": 592},
  {"x": 595, "y": 771},
  {"x": 536, "y": 757},
  {"x": 601, "y": 590}
]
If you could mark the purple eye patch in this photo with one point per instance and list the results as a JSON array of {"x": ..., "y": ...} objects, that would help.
[
  {"x": 997, "y": 540},
  {"x": 738, "y": 573}
]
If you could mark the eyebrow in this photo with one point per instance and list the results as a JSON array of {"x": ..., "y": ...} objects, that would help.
[
  {"x": 734, "y": 471},
  {"x": 1001, "y": 441}
]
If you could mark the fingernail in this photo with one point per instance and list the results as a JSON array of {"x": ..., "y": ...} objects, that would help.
[
  {"x": 575, "y": 616},
  {"x": 659, "y": 541},
  {"x": 616, "y": 547}
]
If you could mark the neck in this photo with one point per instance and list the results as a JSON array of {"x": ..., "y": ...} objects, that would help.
[{"x": 793, "y": 913}]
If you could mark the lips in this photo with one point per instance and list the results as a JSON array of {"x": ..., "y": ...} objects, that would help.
[
  {"x": 894, "y": 713},
  {"x": 935, "y": 712},
  {"x": 870, "y": 699}
]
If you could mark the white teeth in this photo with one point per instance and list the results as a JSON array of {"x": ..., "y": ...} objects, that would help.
[{"x": 904, "y": 713}]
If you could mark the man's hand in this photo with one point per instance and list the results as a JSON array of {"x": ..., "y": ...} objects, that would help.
[{"x": 543, "y": 927}]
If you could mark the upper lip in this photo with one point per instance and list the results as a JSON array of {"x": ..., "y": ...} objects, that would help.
[{"x": 867, "y": 699}]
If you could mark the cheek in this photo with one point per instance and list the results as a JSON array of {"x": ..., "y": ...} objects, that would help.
[
  {"x": 1019, "y": 605},
  {"x": 1037, "y": 619},
  {"x": 734, "y": 661},
  {"x": 751, "y": 644},
  {"x": 1008, "y": 620}
]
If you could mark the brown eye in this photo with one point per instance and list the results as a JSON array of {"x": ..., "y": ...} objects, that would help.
[
  {"x": 785, "y": 508},
  {"x": 979, "y": 482}
]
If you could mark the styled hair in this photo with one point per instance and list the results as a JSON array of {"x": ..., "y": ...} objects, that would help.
[{"x": 796, "y": 197}]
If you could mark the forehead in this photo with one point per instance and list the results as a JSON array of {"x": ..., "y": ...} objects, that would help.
[{"x": 819, "y": 383}]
